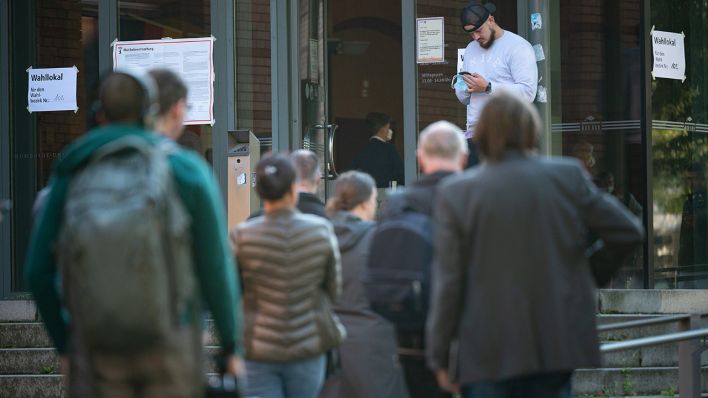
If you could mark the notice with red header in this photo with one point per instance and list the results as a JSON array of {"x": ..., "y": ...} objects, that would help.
[{"x": 191, "y": 59}]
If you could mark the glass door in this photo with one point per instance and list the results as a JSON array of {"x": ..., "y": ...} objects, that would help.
[
  {"x": 679, "y": 147},
  {"x": 317, "y": 132}
]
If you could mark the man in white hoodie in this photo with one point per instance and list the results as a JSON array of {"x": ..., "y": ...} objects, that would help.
[{"x": 494, "y": 59}]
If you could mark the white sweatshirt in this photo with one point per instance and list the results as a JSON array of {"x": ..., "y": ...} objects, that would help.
[{"x": 510, "y": 63}]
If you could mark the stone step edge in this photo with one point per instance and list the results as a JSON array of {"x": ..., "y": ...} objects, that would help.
[{"x": 628, "y": 369}]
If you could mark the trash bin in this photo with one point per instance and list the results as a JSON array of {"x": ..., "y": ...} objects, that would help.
[{"x": 243, "y": 154}]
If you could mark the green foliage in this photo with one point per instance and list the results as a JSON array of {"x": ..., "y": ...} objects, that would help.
[
  {"x": 670, "y": 392},
  {"x": 627, "y": 385}
]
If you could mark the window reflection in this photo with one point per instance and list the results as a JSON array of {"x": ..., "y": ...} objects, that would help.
[
  {"x": 600, "y": 105},
  {"x": 680, "y": 154}
]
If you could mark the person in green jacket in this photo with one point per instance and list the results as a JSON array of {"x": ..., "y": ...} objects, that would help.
[{"x": 123, "y": 113}]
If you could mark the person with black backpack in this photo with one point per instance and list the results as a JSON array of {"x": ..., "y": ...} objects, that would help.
[
  {"x": 133, "y": 227},
  {"x": 398, "y": 272}
]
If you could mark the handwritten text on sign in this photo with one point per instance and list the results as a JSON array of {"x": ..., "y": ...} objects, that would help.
[
  {"x": 51, "y": 89},
  {"x": 669, "y": 55}
]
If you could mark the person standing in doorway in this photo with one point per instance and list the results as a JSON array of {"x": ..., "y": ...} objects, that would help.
[
  {"x": 379, "y": 157},
  {"x": 494, "y": 59}
]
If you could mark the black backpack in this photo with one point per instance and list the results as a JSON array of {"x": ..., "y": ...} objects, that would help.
[{"x": 397, "y": 280}]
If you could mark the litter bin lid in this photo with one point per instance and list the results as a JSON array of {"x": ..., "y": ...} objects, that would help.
[{"x": 238, "y": 150}]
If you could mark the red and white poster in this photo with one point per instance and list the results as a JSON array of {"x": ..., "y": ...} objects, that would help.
[{"x": 191, "y": 59}]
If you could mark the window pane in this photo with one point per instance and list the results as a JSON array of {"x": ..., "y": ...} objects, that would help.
[
  {"x": 680, "y": 139},
  {"x": 45, "y": 34},
  {"x": 253, "y": 68},
  {"x": 597, "y": 117},
  {"x": 157, "y": 19}
]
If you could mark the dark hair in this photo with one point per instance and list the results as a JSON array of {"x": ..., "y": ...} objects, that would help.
[
  {"x": 506, "y": 122},
  {"x": 122, "y": 98},
  {"x": 376, "y": 120},
  {"x": 275, "y": 176},
  {"x": 350, "y": 190},
  {"x": 170, "y": 88},
  {"x": 307, "y": 165}
]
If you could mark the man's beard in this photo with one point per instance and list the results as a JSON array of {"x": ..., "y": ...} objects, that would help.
[{"x": 489, "y": 42}]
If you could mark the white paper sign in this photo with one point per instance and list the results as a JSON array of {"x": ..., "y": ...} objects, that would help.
[
  {"x": 669, "y": 55},
  {"x": 51, "y": 89},
  {"x": 460, "y": 59},
  {"x": 191, "y": 59},
  {"x": 430, "y": 35}
]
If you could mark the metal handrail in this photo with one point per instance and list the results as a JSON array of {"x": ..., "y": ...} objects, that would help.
[
  {"x": 689, "y": 346},
  {"x": 648, "y": 322},
  {"x": 642, "y": 322},
  {"x": 653, "y": 340}
]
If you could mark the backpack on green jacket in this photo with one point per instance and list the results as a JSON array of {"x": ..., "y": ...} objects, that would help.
[{"x": 125, "y": 248}]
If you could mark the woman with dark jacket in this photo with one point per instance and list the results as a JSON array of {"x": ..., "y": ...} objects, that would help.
[
  {"x": 369, "y": 364},
  {"x": 291, "y": 274}
]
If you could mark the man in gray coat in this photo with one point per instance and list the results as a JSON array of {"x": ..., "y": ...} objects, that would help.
[{"x": 513, "y": 310}]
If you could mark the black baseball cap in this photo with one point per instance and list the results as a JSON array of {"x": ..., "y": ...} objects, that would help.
[{"x": 476, "y": 14}]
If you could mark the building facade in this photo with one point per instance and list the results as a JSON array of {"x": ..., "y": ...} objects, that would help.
[{"x": 304, "y": 73}]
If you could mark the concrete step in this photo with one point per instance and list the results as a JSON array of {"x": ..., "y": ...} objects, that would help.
[
  {"x": 667, "y": 395},
  {"x": 639, "y": 301},
  {"x": 612, "y": 382},
  {"x": 18, "y": 311},
  {"x": 28, "y": 361},
  {"x": 23, "y": 335},
  {"x": 35, "y": 386},
  {"x": 654, "y": 356},
  {"x": 44, "y": 361},
  {"x": 33, "y": 334}
]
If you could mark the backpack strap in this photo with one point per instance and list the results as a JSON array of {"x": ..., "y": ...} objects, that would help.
[
  {"x": 399, "y": 202},
  {"x": 133, "y": 142}
]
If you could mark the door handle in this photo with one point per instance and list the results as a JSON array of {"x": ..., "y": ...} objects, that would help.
[{"x": 330, "y": 131}]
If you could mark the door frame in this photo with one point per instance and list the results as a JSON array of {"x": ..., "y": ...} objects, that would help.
[
  {"x": 5, "y": 225},
  {"x": 285, "y": 75}
]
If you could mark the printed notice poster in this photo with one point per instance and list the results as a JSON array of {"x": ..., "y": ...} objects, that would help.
[
  {"x": 52, "y": 89},
  {"x": 430, "y": 45},
  {"x": 669, "y": 55},
  {"x": 191, "y": 59}
]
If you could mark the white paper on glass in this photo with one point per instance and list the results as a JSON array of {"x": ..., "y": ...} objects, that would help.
[
  {"x": 51, "y": 89},
  {"x": 191, "y": 59},
  {"x": 430, "y": 40},
  {"x": 669, "y": 55},
  {"x": 460, "y": 59}
]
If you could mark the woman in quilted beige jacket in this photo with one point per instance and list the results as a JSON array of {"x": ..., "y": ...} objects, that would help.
[{"x": 291, "y": 274}]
